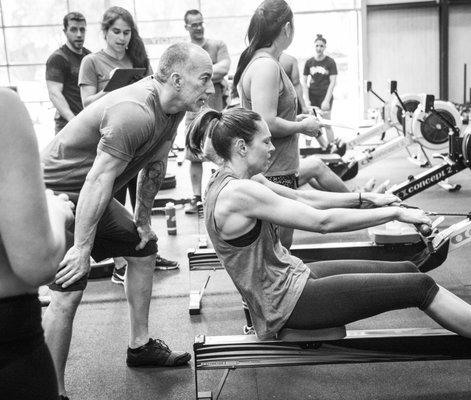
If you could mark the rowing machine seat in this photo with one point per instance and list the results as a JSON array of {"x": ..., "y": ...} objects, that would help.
[{"x": 317, "y": 335}]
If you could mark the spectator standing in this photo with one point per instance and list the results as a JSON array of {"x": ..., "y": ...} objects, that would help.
[
  {"x": 62, "y": 69},
  {"x": 217, "y": 50}
]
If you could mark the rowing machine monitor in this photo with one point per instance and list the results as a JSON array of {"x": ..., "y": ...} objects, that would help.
[
  {"x": 392, "y": 87},
  {"x": 429, "y": 100},
  {"x": 367, "y": 86}
]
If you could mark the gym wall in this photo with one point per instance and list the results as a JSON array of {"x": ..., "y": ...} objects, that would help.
[
  {"x": 402, "y": 44},
  {"x": 459, "y": 51}
]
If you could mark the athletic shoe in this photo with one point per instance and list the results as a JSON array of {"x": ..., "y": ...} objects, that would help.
[
  {"x": 156, "y": 354},
  {"x": 192, "y": 207},
  {"x": 62, "y": 397},
  {"x": 164, "y": 265},
  {"x": 118, "y": 275}
]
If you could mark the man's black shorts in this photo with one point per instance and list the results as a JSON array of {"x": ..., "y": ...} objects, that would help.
[{"x": 116, "y": 236}]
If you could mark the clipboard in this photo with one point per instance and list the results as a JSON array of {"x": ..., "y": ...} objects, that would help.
[{"x": 123, "y": 77}]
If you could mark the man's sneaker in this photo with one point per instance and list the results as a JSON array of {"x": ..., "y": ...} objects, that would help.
[
  {"x": 192, "y": 206},
  {"x": 118, "y": 275},
  {"x": 156, "y": 354},
  {"x": 164, "y": 264}
]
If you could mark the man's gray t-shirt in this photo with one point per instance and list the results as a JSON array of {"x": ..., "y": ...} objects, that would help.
[{"x": 127, "y": 123}]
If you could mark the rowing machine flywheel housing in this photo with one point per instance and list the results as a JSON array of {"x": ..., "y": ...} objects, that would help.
[{"x": 429, "y": 130}]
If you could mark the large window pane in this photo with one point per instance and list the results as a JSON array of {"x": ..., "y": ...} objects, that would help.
[
  {"x": 158, "y": 36},
  {"x": 32, "y": 45},
  {"x": 215, "y": 8},
  {"x": 342, "y": 46},
  {"x": 93, "y": 10},
  {"x": 147, "y": 10},
  {"x": 3, "y": 59},
  {"x": 27, "y": 12},
  {"x": 4, "y": 76}
]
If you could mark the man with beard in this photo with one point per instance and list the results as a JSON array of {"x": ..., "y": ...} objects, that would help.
[{"x": 62, "y": 70}]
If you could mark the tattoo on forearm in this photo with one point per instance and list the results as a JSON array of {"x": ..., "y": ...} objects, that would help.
[{"x": 149, "y": 181}]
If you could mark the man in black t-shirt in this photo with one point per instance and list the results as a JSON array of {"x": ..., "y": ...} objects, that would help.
[{"x": 62, "y": 70}]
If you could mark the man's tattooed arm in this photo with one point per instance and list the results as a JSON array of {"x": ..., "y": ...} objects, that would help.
[{"x": 148, "y": 184}]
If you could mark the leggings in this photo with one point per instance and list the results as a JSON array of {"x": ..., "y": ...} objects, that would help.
[
  {"x": 26, "y": 368},
  {"x": 341, "y": 292}
]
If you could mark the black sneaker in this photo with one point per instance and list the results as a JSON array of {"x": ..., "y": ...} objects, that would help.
[
  {"x": 156, "y": 354},
  {"x": 62, "y": 397},
  {"x": 164, "y": 264},
  {"x": 118, "y": 275}
]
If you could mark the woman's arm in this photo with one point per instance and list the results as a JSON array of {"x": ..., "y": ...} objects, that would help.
[
  {"x": 320, "y": 199},
  {"x": 328, "y": 96},
  {"x": 32, "y": 225},
  {"x": 264, "y": 88},
  {"x": 89, "y": 94},
  {"x": 252, "y": 200}
]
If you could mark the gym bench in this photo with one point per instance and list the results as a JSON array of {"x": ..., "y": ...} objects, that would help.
[{"x": 324, "y": 346}]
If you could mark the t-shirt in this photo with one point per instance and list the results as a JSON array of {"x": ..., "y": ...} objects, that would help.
[
  {"x": 63, "y": 66},
  {"x": 127, "y": 123},
  {"x": 217, "y": 50},
  {"x": 96, "y": 68},
  {"x": 320, "y": 72}
]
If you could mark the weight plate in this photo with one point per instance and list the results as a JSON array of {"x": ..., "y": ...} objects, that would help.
[{"x": 429, "y": 130}]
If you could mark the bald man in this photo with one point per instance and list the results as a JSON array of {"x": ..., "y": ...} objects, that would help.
[{"x": 129, "y": 130}]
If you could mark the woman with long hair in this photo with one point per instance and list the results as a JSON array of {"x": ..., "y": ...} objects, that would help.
[
  {"x": 124, "y": 49},
  {"x": 264, "y": 87},
  {"x": 243, "y": 211}
]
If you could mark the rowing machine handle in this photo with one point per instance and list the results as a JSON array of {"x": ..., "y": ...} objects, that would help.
[{"x": 424, "y": 229}]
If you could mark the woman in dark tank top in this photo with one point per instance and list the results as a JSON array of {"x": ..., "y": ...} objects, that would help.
[{"x": 280, "y": 290}]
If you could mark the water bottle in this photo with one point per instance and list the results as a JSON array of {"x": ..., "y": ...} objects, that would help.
[{"x": 171, "y": 218}]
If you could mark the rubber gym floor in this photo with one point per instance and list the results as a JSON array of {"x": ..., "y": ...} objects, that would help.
[{"x": 96, "y": 368}]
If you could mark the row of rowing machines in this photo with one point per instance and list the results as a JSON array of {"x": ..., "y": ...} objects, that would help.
[
  {"x": 406, "y": 116},
  {"x": 402, "y": 248}
]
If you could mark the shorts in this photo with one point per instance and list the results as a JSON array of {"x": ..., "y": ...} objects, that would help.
[
  {"x": 316, "y": 100},
  {"x": 116, "y": 236},
  {"x": 26, "y": 367},
  {"x": 291, "y": 181}
]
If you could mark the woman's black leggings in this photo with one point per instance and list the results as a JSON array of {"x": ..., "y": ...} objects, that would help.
[{"x": 340, "y": 292}]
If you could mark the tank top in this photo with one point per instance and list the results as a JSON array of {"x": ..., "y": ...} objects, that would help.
[
  {"x": 265, "y": 274},
  {"x": 285, "y": 158}
]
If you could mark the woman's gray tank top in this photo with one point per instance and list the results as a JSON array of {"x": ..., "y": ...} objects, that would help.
[
  {"x": 285, "y": 158},
  {"x": 266, "y": 275}
]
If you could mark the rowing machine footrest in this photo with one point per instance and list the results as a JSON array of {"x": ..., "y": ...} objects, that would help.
[{"x": 317, "y": 335}]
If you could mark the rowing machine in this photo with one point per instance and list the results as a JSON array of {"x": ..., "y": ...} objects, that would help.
[
  {"x": 457, "y": 159},
  {"x": 324, "y": 346},
  {"x": 426, "y": 252}
]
